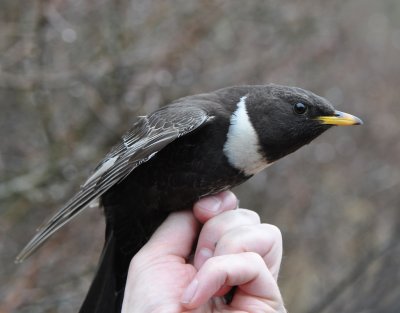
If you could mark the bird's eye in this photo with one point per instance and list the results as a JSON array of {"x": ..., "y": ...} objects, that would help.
[{"x": 300, "y": 108}]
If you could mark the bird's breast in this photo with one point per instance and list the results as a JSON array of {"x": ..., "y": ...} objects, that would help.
[{"x": 185, "y": 170}]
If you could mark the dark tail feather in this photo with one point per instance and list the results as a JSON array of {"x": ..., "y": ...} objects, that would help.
[
  {"x": 101, "y": 297},
  {"x": 107, "y": 290}
]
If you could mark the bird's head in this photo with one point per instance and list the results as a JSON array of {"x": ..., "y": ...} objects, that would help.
[
  {"x": 282, "y": 119},
  {"x": 286, "y": 118}
]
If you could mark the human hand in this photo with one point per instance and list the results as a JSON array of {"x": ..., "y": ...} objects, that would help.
[{"x": 233, "y": 249}]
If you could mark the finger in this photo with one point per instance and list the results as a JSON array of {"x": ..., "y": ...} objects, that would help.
[
  {"x": 245, "y": 270},
  {"x": 175, "y": 236},
  {"x": 214, "y": 228},
  {"x": 210, "y": 206},
  {"x": 263, "y": 239}
]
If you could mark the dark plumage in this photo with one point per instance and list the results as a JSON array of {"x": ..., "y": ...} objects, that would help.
[{"x": 196, "y": 146}]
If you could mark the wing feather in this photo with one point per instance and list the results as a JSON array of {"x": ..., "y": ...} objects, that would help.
[{"x": 148, "y": 135}]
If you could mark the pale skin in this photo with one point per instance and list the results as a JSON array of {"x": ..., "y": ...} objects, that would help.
[{"x": 233, "y": 249}]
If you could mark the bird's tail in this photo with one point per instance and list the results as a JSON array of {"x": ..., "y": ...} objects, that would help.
[
  {"x": 107, "y": 290},
  {"x": 71, "y": 209},
  {"x": 102, "y": 297}
]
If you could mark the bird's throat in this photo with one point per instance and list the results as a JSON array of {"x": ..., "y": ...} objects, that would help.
[{"x": 242, "y": 146}]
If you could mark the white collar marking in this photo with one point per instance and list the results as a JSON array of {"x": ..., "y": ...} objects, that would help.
[{"x": 242, "y": 144}]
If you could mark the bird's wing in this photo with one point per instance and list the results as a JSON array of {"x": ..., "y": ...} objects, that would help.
[{"x": 148, "y": 135}]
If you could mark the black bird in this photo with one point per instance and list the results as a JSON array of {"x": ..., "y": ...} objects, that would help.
[{"x": 195, "y": 146}]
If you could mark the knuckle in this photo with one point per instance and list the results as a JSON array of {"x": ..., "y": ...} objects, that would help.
[
  {"x": 249, "y": 214},
  {"x": 255, "y": 258},
  {"x": 273, "y": 231},
  {"x": 216, "y": 264}
]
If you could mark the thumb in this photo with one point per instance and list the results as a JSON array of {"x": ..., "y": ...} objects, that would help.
[{"x": 175, "y": 236}]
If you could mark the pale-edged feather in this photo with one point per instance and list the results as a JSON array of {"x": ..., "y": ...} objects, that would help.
[{"x": 148, "y": 135}]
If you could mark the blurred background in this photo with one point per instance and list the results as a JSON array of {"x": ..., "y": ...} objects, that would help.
[{"x": 73, "y": 73}]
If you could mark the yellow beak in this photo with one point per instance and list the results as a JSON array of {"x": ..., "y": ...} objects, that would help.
[{"x": 340, "y": 119}]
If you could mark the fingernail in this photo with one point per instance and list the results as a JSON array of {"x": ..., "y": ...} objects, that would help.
[
  {"x": 190, "y": 291},
  {"x": 230, "y": 199},
  {"x": 211, "y": 203},
  {"x": 203, "y": 255}
]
